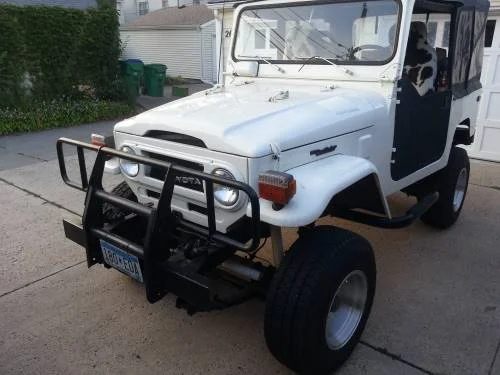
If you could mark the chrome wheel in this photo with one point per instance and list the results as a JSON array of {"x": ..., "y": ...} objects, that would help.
[
  {"x": 459, "y": 195},
  {"x": 346, "y": 310}
]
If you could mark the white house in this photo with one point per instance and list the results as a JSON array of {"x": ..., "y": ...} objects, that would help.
[
  {"x": 130, "y": 10},
  {"x": 181, "y": 38},
  {"x": 487, "y": 139}
]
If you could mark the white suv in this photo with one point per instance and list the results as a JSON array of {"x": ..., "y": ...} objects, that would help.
[{"x": 327, "y": 108}]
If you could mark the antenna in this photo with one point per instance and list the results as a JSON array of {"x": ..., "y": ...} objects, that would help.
[{"x": 221, "y": 43}]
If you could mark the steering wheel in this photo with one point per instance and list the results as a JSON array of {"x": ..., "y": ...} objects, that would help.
[{"x": 362, "y": 47}]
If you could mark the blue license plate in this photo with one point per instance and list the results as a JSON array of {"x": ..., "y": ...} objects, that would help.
[{"x": 121, "y": 260}]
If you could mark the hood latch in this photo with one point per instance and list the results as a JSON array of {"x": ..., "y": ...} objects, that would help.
[{"x": 282, "y": 95}]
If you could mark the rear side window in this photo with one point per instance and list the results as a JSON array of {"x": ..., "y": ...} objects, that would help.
[
  {"x": 462, "y": 53},
  {"x": 476, "y": 63},
  {"x": 470, "y": 40}
]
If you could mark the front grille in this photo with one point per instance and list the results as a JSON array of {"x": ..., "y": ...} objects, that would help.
[
  {"x": 185, "y": 180},
  {"x": 153, "y": 194}
]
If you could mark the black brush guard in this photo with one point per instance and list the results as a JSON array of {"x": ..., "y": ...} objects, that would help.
[{"x": 158, "y": 279}]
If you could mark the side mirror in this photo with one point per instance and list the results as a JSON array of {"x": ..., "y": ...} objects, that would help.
[{"x": 246, "y": 68}]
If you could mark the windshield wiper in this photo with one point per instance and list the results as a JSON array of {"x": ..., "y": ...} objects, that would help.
[
  {"x": 278, "y": 68},
  {"x": 307, "y": 59}
]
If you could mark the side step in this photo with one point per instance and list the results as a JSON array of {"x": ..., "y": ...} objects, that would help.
[{"x": 411, "y": 215}]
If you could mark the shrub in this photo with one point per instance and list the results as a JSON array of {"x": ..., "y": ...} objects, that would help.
[
  {"x": 11, "y": 61},
  {"x": 60, "y": 50},
  {"x": 59, "y": 113},
  {"x": 101, "y": 34},
  {"x": 170, "y": 80}
]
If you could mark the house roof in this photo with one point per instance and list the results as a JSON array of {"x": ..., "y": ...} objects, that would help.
[
  {"x": 227, "y": 4},
  {"x": 194, "y": 15},
  {"x": 77, "y": 4}
]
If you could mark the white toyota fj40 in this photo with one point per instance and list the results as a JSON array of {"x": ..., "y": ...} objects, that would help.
[{"x": 327, "y": 108}]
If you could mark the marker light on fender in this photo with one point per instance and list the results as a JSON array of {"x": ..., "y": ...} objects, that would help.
[
  {"x": 277, "y": 187},
  {"x": 98, "y": 140}
]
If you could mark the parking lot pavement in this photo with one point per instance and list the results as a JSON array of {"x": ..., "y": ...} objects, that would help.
[
  {"x": 31, "y": 240},
  {"x": 436, "y": 310},
  {"x": 92, "y": 321},
  {"x": 438, "y": 300}
]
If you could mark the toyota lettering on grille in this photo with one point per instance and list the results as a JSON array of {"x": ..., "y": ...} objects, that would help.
[{"x": 189, "y": 182}]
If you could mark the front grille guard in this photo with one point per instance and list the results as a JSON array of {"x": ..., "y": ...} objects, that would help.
[{"x": 160, "y": 220}]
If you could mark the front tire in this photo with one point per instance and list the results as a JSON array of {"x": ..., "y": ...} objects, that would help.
[
  {"x": 113, "y": 214},
  {"x": 320, "y": 299},
  {"x": 451, "y": 183}
]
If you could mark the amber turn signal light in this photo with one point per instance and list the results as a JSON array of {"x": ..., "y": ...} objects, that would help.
[
  {"x": 277, "y": 187},
  {"x": 97, "y": 140}
]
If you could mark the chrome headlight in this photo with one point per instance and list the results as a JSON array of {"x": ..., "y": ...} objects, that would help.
[
  {"x": 225, "y": 195},
  {"x": 128, "y": 167}
]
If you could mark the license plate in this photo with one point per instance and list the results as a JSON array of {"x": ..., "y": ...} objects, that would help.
[{"x": 122, "y": 261}]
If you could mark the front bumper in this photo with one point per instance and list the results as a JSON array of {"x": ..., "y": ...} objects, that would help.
[{"x": 160, "y": 222}]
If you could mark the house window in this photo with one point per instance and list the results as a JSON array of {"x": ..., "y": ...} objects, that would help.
[
  {"x": 143, "y": 8},
  {"x": 164, "y": 3},
  {"x": 490, "y": 31}
]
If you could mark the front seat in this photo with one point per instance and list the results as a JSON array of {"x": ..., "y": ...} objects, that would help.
[{"x": 421, "y": 60}]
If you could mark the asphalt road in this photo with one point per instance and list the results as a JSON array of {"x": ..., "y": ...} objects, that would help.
[{"x": 436, "y": 310}]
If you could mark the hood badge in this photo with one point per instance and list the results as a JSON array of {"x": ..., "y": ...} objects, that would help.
[
  {"x": 282, "y": 95},
  {"x": 322, "y": 151}
]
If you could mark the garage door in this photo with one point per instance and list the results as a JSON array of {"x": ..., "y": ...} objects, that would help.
[
  {"x": 178, "y": 49},
  {"x": 487, "y": 142}
]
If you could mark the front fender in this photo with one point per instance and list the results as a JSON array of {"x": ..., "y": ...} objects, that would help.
[{"x": 317, "y": 183}]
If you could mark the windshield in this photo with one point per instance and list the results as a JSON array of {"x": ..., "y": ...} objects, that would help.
[{"x": 344, "y": 32}]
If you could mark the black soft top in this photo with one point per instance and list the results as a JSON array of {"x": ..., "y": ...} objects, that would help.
[{"x": 481, "y": 4}]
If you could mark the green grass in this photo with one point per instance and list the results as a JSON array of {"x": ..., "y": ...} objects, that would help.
[
  {"x": 170, "y": 80},
  {"x": 57, "y": 114}
]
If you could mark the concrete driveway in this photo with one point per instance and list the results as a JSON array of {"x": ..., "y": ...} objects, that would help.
[{"x": 436, "y": 311}]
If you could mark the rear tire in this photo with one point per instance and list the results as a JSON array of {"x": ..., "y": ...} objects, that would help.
[
  {"x": 114, "y": 214},
  {"x": 451, "y": 183},
  {"x": 320, "y": 299}
]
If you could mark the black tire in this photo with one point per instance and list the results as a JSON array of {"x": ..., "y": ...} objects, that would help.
[
  {"x": 444, "y": 213},
  {"x": 301, "y": 294},
  {"x": 114, "y": 214}
]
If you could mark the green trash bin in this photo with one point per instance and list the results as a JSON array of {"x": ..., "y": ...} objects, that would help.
[
  {"x": 154, "y": 79},
  {"x": 132, "y": 71}
]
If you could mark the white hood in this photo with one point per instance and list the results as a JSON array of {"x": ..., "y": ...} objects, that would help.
[{"x": 242, "y": 120}]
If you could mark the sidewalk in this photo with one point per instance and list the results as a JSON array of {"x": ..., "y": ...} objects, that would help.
[{"x": 22, "y": 149}]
